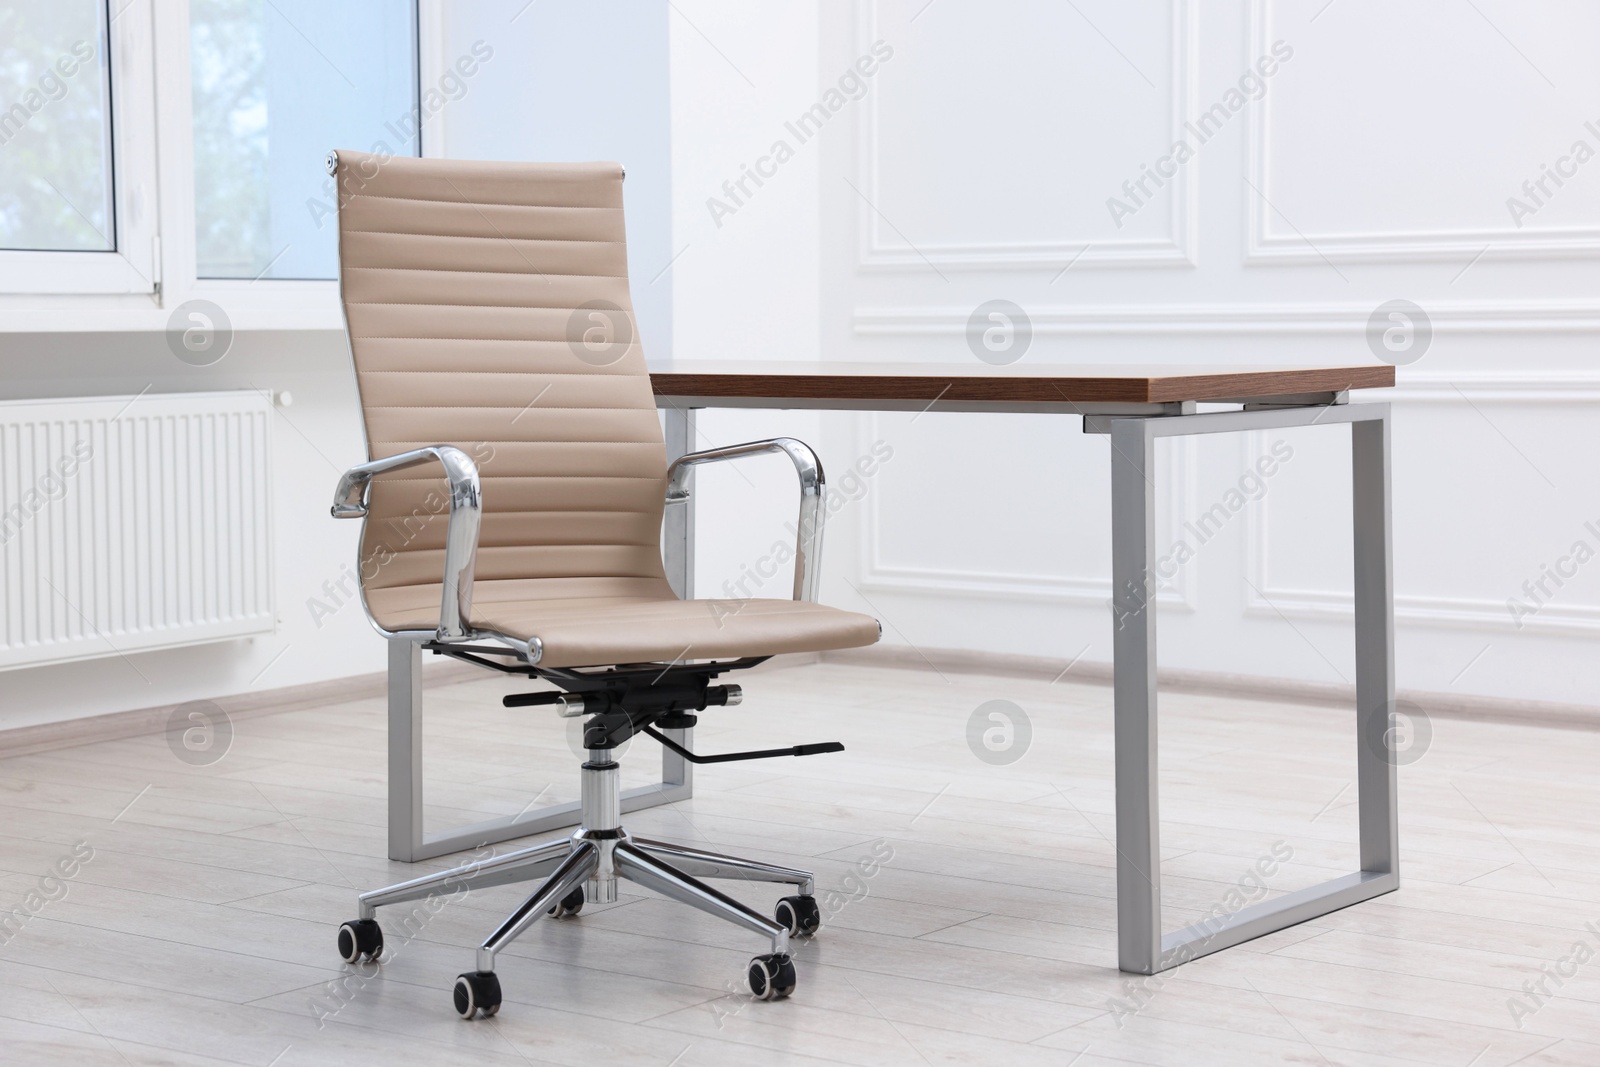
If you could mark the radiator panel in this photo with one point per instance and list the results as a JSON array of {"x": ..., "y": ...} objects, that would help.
[{"x": 133, "y": 523}]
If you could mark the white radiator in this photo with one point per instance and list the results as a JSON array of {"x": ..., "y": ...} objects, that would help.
[{"x": 132, "y": 523}]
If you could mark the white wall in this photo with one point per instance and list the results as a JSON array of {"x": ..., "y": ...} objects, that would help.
[
  {"x": 572, "y": 81},
  {"x": 746, "y": 284},
  {"x": 1387, "y": 147}
]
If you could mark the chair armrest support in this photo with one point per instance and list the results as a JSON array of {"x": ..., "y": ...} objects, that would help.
[
  {"x": 813, "y": 490},
  {"x": 461, "y": 537}
]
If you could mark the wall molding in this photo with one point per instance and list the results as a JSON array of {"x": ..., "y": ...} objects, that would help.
[
  {"x": 1214, "y": 683},
  {"x": 993, "y": 585},
  {"x": 1422, "y": 246},
  {"x": 1498, "y": 387},
  {"x": 1482, "y": 615},
  {"x": 1266, "y": 600},
  {"x": 1516, "y": 317},
  {"x": 1177, "y": 487},
  {"x": 1263, "y": 246},
  {"x": 1174, "y": 249}
]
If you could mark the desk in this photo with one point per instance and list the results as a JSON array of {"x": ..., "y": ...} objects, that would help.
[{"x": 1134, "y": 406}]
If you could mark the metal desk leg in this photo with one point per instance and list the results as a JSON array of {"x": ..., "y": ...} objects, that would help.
[
  {"x": 1142, "y": 948},
  {"x": 408, "y": 842},
  {"x": 1376, "y": 774},
  {"x": 1134, "y": 680},
  {"x": 405, "y": 752},
  {"x": 677, "y": 553}
]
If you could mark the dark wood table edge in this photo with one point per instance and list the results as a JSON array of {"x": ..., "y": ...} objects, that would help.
[{"x": 1014, "y": 388}]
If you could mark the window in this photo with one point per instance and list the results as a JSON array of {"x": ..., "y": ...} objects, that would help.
[
  {"x": 276, "y": 85},
  {"x": 55, "y": 129},
  {"x": 77, "y": 148},
  {"x": 239, "y": 101}
]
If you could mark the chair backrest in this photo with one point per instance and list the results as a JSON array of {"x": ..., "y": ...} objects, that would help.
[{"x": 488, "y": 308}]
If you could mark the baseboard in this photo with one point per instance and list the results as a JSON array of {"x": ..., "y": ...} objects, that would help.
[
  {"x": 44, "y": 737},
  {"x": 1216, "y": 683}
]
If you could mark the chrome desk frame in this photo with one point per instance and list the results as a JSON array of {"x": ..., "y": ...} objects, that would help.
[{"x": 1142, "y": 947}]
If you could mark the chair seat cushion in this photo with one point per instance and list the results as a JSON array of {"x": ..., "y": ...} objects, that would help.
[{"x": 640, "y": 622}]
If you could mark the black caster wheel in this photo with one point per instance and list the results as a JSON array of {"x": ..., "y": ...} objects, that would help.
[
  {"x": 771, "y": 976},
  {"x": 475, "y": 992},
  {"x": 360, "y": 939},
  {"x": 800, "y": 914},
  {"x": 570, "y": 905}
]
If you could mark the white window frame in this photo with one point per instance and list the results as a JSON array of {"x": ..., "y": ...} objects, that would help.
[
  {"x": 155, "y": 269},
  {"x": 134, "y": 267}
]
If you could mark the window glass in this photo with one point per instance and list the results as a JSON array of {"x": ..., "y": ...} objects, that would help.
[
  {"x": 277, "y": 85},
  {"x": 55, "y": 127}
]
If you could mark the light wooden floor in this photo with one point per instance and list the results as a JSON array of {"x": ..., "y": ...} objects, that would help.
[{"x": 202, "y": 929}]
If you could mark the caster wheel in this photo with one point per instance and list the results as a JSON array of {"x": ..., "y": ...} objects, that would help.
[
  {"x": 570, "y": 905},
  {"x": 800, "y": 914},
  {"x": 360, "y": 939},
  {"x": 475, "y": 992},
  {"x": 771, "y": 977}
]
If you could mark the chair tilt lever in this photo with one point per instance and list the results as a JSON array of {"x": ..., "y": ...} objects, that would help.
[
  {"x": 620, "y": 705},
  {"x": 732, "y": 757}
]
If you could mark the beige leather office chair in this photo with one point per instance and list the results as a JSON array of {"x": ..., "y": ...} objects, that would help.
[{"x": 470, "y": 292}]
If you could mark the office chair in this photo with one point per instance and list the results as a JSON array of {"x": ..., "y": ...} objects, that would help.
[{"x": 491, "y": 332}]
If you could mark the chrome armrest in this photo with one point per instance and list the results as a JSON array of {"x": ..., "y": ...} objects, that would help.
[
  {"x": 813, "y": 489},
  {"x": 461, "y": 537}
]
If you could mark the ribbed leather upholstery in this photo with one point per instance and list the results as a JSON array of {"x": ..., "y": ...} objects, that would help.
[{"x": 460, "y": 283}]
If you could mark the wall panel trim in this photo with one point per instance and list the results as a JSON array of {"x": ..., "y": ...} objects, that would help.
[
  {"x": 1522, "y": 316},
  {"x": 1174, "y": 249},
  {"x": 1266, "y": 600}
]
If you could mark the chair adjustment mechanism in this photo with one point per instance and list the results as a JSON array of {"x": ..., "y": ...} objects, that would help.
[
  {"x": 678, "y": 701},
  {"x": 621, "y": 707}
]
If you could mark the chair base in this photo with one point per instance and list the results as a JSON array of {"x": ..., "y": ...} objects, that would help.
[{"x": 585, "y": 868}]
